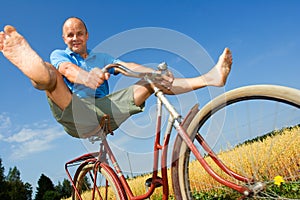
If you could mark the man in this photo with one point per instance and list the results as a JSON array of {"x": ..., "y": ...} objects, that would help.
[{"x": 76, "y": 87}]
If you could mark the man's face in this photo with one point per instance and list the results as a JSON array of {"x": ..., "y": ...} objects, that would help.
[{"x": 75, "y": 36}]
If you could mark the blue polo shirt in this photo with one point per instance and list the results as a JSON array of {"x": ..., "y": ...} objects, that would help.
[{"x": 93, "y": 60}]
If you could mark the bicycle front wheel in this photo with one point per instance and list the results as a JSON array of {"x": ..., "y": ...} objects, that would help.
[
  {"x": 255, "y": 132},
  {"x": 105, "y": 184}
]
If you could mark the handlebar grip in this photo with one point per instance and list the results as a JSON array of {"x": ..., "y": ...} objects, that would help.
[
  {"x": 107, "y": 67},
  {"x": 162, "y": 66}
]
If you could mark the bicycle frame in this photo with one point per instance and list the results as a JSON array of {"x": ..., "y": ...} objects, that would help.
[
  {"x": 180, "y": 124},
  {"x": 99, "y": 157}
]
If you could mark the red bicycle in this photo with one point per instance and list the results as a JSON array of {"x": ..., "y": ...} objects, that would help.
[{"x": 242, "y": 144}]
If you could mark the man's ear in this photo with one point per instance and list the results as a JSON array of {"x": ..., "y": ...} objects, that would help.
[{"x": 63, "y": 39}]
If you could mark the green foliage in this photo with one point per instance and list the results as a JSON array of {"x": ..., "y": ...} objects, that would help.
[
  {"x": 3, "y": 184},
  {"x": 288, "y": 190},
  {"x": 216, "y": 195},
  {"x": 85, "y": 186},
  {"x": 12, "y": 187},
  {"x": 44, "y": 185},
  {"x": 47, "y": 191},
  {"x": 64, "y": 189},
  {"x": 2, "y": 177},
  {"x": 51, "y": 195},
  {"x": 17, "y": 190},
  {"x": 13, "y": 175}
]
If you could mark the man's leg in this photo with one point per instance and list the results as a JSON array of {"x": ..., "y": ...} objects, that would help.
[
  {"x": 217, "y": 76},
  {"x": 43, "y": 75}
]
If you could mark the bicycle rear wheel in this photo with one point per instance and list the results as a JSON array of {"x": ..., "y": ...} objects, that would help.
[
  {"x": 255, "y": 131},
  {"x": 107, "y": 184}
]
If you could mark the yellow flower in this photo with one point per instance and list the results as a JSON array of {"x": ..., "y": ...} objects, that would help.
[{"x": 278, "y": 180}]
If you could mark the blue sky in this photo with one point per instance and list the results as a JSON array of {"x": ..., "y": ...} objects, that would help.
[{"x": 263, "y": 36}]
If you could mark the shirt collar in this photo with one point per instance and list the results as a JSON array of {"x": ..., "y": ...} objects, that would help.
[{"x": 70, "y": 52}]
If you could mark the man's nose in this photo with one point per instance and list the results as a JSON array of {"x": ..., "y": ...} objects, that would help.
[{"x": 74, "y": 37}]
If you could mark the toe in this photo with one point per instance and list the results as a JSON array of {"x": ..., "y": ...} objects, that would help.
[{"x": 8, "y": 29}]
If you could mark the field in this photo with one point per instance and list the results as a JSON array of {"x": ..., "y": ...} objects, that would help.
[{"x": 284, "y": 162}]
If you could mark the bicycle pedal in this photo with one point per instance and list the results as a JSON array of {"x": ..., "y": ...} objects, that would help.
[{"x": 148, "y": 182}]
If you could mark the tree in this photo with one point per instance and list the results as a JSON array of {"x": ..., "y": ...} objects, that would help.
[
  {"x": 44, "y": 184},
  {"x": 16, "y": 189},
  {"x": 86, "y": 184},
  {"x": 3, "y": 184},
  {"x": 2, "y": 177},
  {"x": 13, "y": 175},
  {"x": 64, "y": 189},
  {"x": 28, "y": 191},
  {"x": 51, "y": 195}
]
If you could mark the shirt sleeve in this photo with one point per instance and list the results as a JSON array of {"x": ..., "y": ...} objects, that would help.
[{"x": 59, "y": 56}]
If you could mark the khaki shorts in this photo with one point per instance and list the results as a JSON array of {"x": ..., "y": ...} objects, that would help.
[{"x": 82, "y": 116}]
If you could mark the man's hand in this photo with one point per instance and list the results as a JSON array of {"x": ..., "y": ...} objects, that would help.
[
  {"x": 164, "y": 79},
  {"x": 95, "y": 78}
]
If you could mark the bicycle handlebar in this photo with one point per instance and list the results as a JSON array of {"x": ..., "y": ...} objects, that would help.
[
  {"x": 124, "y": 70},
  {"x": 162, "y": 67}
]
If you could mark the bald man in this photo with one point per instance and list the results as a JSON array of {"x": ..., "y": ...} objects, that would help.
[{"x": 76, "y": 87}]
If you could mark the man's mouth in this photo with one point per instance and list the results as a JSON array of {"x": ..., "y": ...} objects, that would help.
[{"x": 76, "y": 45}]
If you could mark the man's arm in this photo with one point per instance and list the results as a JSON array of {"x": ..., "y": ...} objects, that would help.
[
  {"x": 75, "y": 74},
  {"x": 134, "y": 67}
]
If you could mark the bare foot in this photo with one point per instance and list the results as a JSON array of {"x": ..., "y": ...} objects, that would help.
[
  {"x": 17, "y": 50},
  {"x": 217, "y": 76}
]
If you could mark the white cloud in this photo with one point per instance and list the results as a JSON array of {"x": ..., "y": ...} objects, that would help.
[
  {"x": 32, "y": 140},
  {"x": 5, "y": 121},
  {"x": 5, "y": 124},
  {"x": 24, "y": 135}
]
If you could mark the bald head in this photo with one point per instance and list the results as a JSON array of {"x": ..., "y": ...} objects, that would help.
[{"x": 74, "y": 21}]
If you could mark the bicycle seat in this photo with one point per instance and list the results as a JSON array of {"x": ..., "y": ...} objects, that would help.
[{"x": 101, "y": 131}]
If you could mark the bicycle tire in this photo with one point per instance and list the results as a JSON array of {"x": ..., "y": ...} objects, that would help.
[
  {"x": 183, "y": 183},
  {"x": 115, "y": 190}
]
